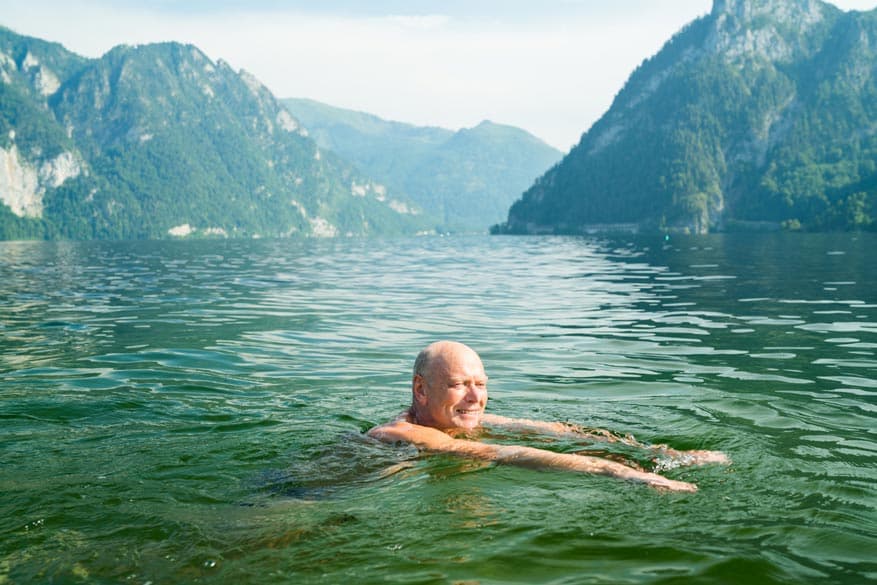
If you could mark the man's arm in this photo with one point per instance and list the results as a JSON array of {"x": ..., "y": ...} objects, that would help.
[
  {"x": 564, "y": 430},
  {"x": 431, "y": 439}
]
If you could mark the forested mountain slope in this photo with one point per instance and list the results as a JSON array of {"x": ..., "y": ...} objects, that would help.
[
  {"x": 759, "y": 115},
  {"x": 463, "y": 181},
  {"x": 159, "y": 141}
]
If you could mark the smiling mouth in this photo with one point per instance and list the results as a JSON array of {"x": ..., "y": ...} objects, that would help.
[{"x": 467, "y": 412}]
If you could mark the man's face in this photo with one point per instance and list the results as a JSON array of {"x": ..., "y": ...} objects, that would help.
[{"x": 453, "y": 390}]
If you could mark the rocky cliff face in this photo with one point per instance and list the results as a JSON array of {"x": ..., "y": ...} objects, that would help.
[
  {"x": 761, "y": 113},
  {"x": 33, "y": 160},
  {"x": 24, "y": 183},
  {"x": 775, "y": 30}
]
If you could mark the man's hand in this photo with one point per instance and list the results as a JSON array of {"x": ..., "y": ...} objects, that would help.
[
  {"x": 706, "y": 457},
  {"x": 660, "y": 482},
  {"x": 671, "y": 458}
]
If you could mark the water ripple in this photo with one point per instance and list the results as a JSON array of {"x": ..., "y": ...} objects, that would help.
[{"x": 183, "y": 411}]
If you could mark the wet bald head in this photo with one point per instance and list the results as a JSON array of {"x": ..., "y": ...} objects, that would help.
[{"x": 440, "y": 353}]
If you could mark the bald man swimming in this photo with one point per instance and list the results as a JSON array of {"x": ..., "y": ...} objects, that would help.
[{"x": 449, "y": 394}]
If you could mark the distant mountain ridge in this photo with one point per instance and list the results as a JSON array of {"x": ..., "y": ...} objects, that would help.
[
  {"x": 760, "y": 115},
  {"x": 160, "y": 141},
  {"x": 464, "y": 180}
]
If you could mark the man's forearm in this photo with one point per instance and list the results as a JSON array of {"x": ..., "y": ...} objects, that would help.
[
  {"x": 542, "y": 459},
  {"x": 572, "y": 431}
]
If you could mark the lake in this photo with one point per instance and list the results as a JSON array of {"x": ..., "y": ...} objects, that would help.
[{"x": 192, "y": 411}]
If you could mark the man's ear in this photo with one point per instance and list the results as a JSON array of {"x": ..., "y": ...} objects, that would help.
[{"x": 418, "y": 389}]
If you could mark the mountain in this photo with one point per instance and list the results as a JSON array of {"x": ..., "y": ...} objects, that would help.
[
  {"x": 760, "y": 115},
  {"x": 463, "y": 181},
  {"x": 158, "y": 141}
]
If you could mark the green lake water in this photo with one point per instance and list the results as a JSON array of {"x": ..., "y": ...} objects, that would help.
[{"x": 192, "y": 412}]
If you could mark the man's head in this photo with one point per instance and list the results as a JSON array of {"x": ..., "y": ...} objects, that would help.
[{"x": 449, "y": 386}]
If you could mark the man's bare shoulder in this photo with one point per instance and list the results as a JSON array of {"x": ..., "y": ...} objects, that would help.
[
  {"x": 397, "y": 430},
  {"x": 400, "y": 430}
]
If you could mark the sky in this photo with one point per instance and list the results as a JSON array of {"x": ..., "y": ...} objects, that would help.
[{"x": 551, "y": 67}]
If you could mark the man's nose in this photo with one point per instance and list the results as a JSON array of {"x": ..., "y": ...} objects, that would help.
[{"x": 472, "y": 394}]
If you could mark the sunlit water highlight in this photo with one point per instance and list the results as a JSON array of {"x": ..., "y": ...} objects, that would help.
[{"x": 192, "y": 411}]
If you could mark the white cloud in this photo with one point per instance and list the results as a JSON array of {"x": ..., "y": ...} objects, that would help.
[{"x": 420, "y": 22}]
